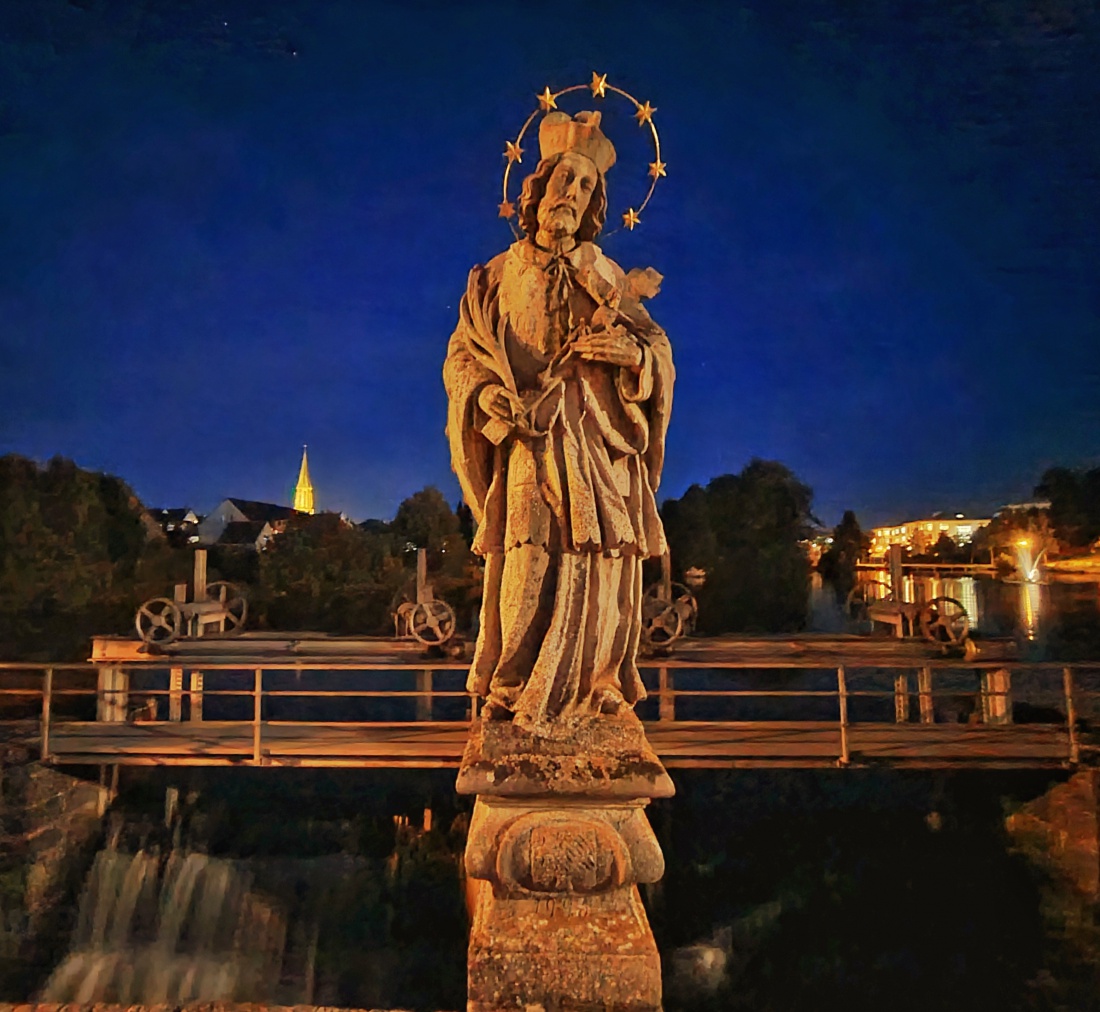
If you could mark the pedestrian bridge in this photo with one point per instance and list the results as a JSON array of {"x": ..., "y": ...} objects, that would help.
[{"x": 794, "y": 703}]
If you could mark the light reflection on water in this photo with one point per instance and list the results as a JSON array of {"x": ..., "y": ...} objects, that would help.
[{"x": 995, "y": 607}]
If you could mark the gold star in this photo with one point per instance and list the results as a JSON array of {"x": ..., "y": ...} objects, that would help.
[
  {"x": 512, "y": 151},
  {"x": 598, "y": 85},
  {"x": 506, "y": 209},
  {"x": 645, "y": 113},
  {"x": 657, "y": 168},
  {"x": 546, "y": 100},
  {"x": 630, "y": 219}
]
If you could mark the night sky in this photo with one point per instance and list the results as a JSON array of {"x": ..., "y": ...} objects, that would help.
[{"x": 228, "y": 229}]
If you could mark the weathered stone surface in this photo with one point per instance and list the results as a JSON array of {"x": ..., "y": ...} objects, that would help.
[
  {"x": 591, "y": 758},
  {"x": 527, "y": 847},
  {"x": 563, "y": 952}
]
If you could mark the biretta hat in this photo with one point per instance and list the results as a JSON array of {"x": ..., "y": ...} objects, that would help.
[{"x": 559, "y": 132}]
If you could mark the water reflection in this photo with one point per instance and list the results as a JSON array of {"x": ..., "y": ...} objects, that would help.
[
  {"x": 1031, "y": 603},
  {"x": 1055, "y": 609}
]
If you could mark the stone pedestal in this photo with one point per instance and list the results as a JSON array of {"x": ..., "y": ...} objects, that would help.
[{"x": 558, "y": 844}]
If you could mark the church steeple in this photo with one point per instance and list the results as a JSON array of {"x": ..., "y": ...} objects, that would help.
[{"x": 303, "y": 491}]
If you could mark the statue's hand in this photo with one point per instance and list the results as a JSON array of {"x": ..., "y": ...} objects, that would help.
[
  {"x": 505, "y": 410},
  {"x": 499, "y": 403},
  {"x": 614, "y": 346}
]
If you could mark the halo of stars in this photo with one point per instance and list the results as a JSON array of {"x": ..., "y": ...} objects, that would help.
[{"x": 548, "y": 100}]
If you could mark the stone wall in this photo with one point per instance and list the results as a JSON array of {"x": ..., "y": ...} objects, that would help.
[
  {"x": 50, "y": 825},
  {"x": 1060, "y": 831}
]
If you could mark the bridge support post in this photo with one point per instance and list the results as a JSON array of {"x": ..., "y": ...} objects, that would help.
[
  {"x": 558, "y": 845},
  {"x": 666, "y": 702},
  {"x": 199, "y": 588},
  {"x": 924, "y": 696},
  {"x": 897, "y": 576},
  {"x": 113, "y": 695},
  {"x": 996, "y": 701},
  {"x": 196, "y": 696},
  {"x": 901, "y": 697},
  {"x": 424, "y": 699},
  {"x": 175, "y": 694}
]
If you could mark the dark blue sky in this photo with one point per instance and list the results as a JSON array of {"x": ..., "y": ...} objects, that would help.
[{"x": 227, "y": 229}]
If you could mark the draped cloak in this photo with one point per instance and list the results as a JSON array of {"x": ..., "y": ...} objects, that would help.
[{"x": 566, "y": 511}]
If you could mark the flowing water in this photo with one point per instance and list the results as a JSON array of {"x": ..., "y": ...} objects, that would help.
[{"x": 181, "y": 928}]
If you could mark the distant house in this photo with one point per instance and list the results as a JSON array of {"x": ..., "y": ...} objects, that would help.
[
  {"x": 180, "y": 526},
  {"x": 170, "y": 519},
  {"x": 247, "y": 533},
  {"x": 230, "y": 511}
]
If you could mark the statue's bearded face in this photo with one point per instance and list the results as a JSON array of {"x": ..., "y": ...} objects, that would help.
[{"x": 568, "y": 191}]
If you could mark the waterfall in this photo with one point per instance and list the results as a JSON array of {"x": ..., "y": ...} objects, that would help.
[{"x": 184, "y": 928}]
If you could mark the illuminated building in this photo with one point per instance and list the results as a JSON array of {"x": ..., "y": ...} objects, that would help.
[
  {"x": 303, "y": 491},
  {"x": 920, "y": 535}
]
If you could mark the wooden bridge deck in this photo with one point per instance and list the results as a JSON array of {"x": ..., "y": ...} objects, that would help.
[
  {"x": 679, "y": 744},
  {"x": 845, "y": 701}
]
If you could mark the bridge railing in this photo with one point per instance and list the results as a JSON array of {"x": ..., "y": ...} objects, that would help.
[{"x": 41, "y": 699}]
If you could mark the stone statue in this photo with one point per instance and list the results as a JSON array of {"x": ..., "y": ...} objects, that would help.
[{"x": 560, "y": 387}]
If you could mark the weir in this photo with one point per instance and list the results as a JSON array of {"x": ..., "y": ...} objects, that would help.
[{"x": 175, "y": 928}]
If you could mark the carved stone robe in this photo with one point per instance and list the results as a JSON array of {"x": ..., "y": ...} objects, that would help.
[{"x": 565, "y": 506}]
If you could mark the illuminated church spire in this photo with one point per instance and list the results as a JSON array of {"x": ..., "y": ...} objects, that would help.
[{"x": 303, "y": 491}]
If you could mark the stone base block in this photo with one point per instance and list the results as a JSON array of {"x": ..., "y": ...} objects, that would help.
[{"x": 563, "y": 954}]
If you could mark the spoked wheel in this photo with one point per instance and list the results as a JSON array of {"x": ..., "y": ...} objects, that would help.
[
  {"x": 862, "y": 596},
  {"x": 232, "y": 598},
  {"x": 159, "y": 620},
  {"x": 944, "y": 620},
  {"x": 432, "y": 622},
  {"x": 662, "y": 624},
  {"x": 665, "y": 620}
]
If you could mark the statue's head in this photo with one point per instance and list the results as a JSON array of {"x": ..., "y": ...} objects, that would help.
[{"x": 566, "y": 194}]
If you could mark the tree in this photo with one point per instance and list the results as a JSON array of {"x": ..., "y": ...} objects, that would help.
[
  {"x": 688, "y": 530},
  {"x": 425, "y": 520},
  {"x": 1000, "y": 538},
  {"x": 325, "y": 574},
  {"x": 838, "y": 561},
  {"x": 745, "y": 531},
  {"x": 466, "y": 526},
  {"x": 1074, "y": 504},
  {"x": 328, "y": 575}
]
